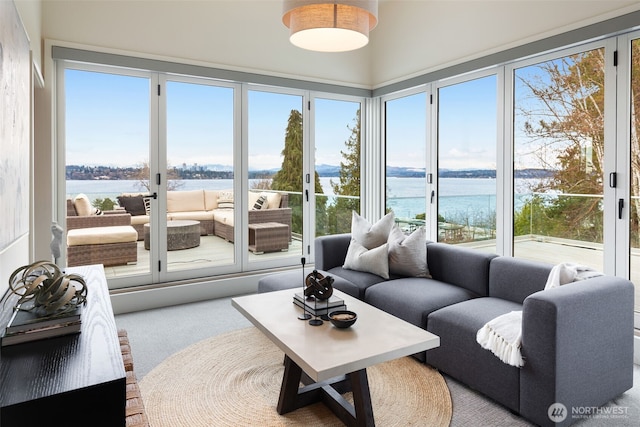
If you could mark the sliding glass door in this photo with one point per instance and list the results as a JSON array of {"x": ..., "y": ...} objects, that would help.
[
  {"x": 336, "y": 181},
  {"x": 275, "y": 186},
  {"x": 559, "y": 158},
  {"x": 467, "y": 160},
  {"x": 107, "y": 135},
  {"x": 406, "y": 160},
  {"x": 199, "y": 187}
]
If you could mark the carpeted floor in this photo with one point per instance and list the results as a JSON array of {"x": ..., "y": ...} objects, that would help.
[
  {"x": 155, "y": 335},
  {"x": 234, "y": 379}
]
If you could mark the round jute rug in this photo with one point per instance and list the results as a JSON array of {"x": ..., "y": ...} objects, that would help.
[{"x": 234, "y": 380}]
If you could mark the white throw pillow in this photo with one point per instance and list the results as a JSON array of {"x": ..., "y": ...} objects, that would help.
[
  {"x": 374, "y": 261},
  {"x": 83, "y": 205},
  {"x": 371, "y": 235},
  {"x": 408, "y": 254}
]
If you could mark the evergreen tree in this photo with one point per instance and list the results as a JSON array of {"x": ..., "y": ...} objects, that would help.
[
  {"x": 290, "y": 176},
  {"x": 348, "y": 182}
]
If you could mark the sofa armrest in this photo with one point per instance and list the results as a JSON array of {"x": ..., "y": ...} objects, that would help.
[
  {"x": 577, "y": 342},
  {"x": 330, "y": 251},
  {"x": 74, "y": 222}
]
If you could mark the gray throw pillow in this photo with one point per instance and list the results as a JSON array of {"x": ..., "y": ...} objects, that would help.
[{"x": 408, "y": 254}]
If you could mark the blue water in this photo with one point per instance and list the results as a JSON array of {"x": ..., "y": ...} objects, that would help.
[{"x": 459, "y": 198}]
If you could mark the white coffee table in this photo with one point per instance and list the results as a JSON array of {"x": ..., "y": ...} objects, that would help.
[{"x": 335, "y": 360}]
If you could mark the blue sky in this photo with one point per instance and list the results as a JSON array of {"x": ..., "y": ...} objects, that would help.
[{"x": 108, "y": 124}]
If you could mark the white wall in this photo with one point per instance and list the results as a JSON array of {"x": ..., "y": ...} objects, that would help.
[
  {"x": 416, "y": 37},
  {"x": 240, "y": 34},
  {"x": 413, "y": 37},
  {"x": 30, "y": 13}
]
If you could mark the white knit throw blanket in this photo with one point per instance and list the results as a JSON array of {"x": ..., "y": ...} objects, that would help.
[{"x": 503, "y": 335}]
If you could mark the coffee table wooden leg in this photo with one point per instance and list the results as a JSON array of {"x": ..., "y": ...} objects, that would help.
[
  {"x": 361, "y": 398},
  {"x": 288, "y": 400},
  {"x": 293, "y": 397}
]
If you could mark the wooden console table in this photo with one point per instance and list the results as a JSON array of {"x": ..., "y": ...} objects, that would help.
[{"x": 74, "y": 380}]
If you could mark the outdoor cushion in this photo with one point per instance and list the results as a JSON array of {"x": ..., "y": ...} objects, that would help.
[
  {"x": 210, "y": 199},
  {"x": 224, "y": 216},
  {"x": 273, "y": 200},
  {"x": 101, "y": 235},
  {"x": 83, "y": 205},
  {"x": 185, "y": 201},
  {"x": 134, "y": 205},
  {"x": 194, "y": 216}
]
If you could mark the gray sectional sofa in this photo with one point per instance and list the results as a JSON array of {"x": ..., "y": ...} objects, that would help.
[{"x": 577, "y": 339}]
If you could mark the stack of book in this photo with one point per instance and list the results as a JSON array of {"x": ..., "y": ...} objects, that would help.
[
  {"x": 25, "y": 326},
  {"x": 317, "y": 307}
]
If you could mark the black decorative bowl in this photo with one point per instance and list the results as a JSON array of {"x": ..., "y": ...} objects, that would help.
[{"x": 343, "y": 318}]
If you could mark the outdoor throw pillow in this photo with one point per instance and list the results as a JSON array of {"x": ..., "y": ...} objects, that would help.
[
  {"x": 261, "y": 203},
  {"x": 371, "y": 235},
  {"x": 134, "y": 205},
  {"x": 83, "y": 206},
  {"x": 225, "y": 200},
  {"x": 408, "y": 254},
  {"x": 374, "y": 261}
]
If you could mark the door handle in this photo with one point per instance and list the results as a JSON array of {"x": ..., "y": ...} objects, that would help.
[
  {"x": 620, "y": 207},
  {"x": 152, "y": 196}
]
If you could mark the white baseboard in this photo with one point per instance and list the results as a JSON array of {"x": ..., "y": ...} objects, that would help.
[{"x": 146, "y": 298}]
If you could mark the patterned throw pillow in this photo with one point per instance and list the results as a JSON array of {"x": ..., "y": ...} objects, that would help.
[
  {"x": 225, "y": 200},
  {"x": 147, "y": 205},
  {"x": 261, "y": 203}
]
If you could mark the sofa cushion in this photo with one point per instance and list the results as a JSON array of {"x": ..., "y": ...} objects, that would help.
[
  {"x": 515, "y": 279},
  {"x": 375, "y": 260},
  {"x": 210, "y": 199},
  {"x": 293, "y": 279},
  {"x": 194, "y": 216},
  {"x": 371, "y": 235},
  {"x": 460, "y": 266},
  {"x": 224, "y": 216},
  {"x": 133, "y": 204},
  {"x": 412, "y": 298},
  {"x": 461, "y": 357},
  {"x": 185, "y": 201},
  {"x": 408, "y": 254},
  {"x": 360, "y": 280},
  {"x": 101, "y": 235}
]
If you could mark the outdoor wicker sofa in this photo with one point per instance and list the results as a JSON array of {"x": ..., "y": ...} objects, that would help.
[
  {"x": 107, "y": 239},
  {"x": 212, "y": 208}
]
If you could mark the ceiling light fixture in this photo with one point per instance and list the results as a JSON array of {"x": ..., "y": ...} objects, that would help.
[{"x": 330, "y": 26}]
